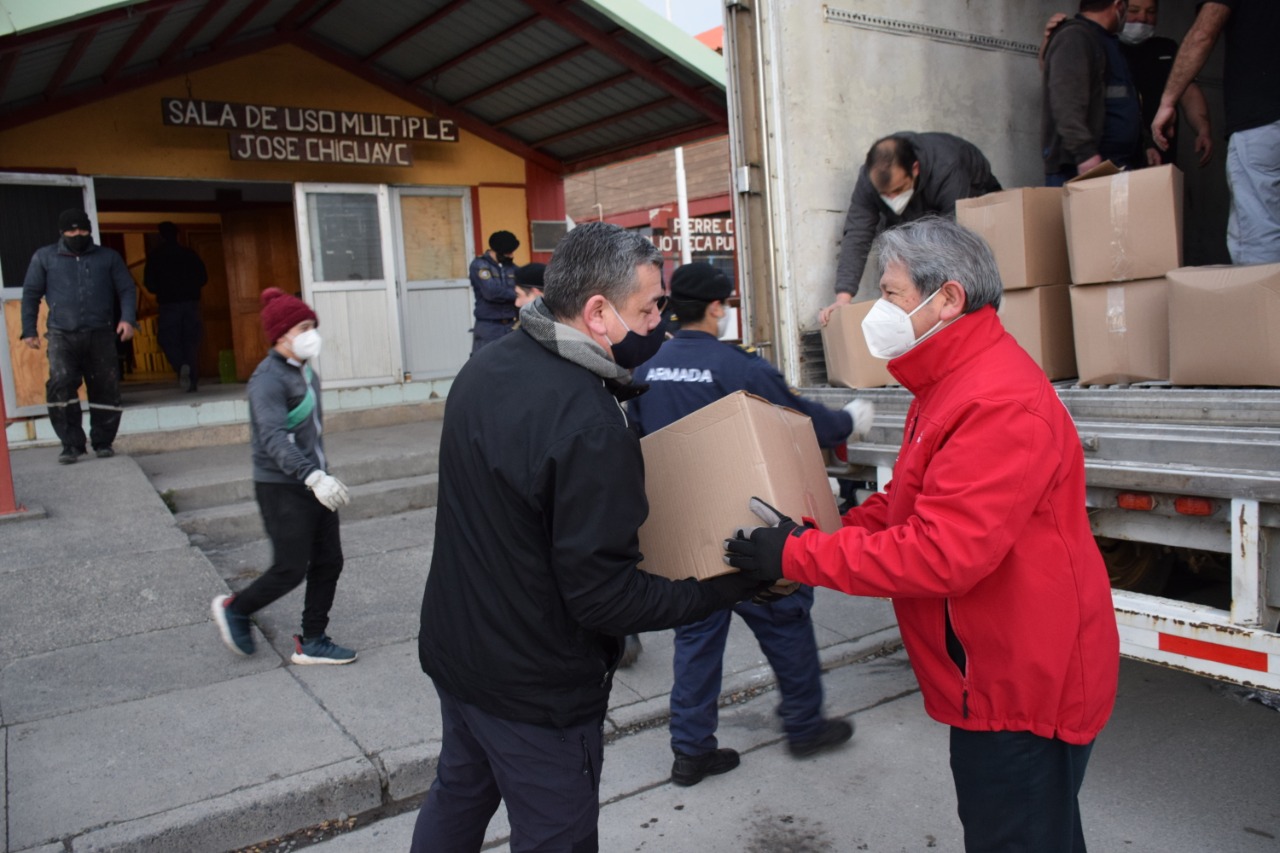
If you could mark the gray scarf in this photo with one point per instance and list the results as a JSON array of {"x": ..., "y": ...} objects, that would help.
[{"x": 570, "y": 344}]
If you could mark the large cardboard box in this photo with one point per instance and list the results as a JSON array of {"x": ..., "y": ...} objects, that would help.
[
  {"x": 702, "y": 470},
  {"x": 1224, "y": 325},
  {"x": 1040, "y": 321},
  {"x": 1025, "y": 230},
  {"x": 849, "y": 363},
  {"x": 1122, "y": 331},
  {"x": 1124, "y": 227}
]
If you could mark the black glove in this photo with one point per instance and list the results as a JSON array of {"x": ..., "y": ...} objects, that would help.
[
  {"x": 757, "y": 552},
  {"x": 736, "y": 587}
]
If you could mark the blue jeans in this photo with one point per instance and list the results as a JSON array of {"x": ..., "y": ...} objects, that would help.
[
  {"x": 488, "y": 331},
  {"x": 1017, "y": 792},
  {"x": 784, "y": 630},
  {"x": 1253, "y": 173},
  {"x": 548, "y": 777}
]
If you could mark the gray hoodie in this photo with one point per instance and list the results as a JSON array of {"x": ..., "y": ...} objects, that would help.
[{"x": 281, "y": 455}]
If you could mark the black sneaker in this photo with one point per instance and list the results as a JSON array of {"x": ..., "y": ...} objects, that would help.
[
  {"x": 103, "y": 452},
  {"x": 833, "y": 733},
  {"x": 69, "y": 455},
  {"x": 691, "y": 769}
]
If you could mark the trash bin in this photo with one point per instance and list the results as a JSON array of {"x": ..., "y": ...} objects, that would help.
[{"x": 227, "y": 366}]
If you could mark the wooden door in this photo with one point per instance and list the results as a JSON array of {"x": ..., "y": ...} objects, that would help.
[
  {"x": 215, "y": 301},
  {"x": 260, "y": 248}
]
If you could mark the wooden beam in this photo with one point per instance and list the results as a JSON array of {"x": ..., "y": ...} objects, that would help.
[
  {"x": 316, "y": 18},
  {"x": 475, "y": 50},
  {"x": 427, "y": 22},
  {"x": 566, "y": 99},
  {"x": 605, "y": 122},
  {"x": 139, "y": 35},
  {"x": 61, "y": 31},
  {"x": 611, "y": 154},
  {"x": 463, "y": 119},
  {"x": 525, "y": 74},
  {"x": 241, "y": 21},
  {"x": 69, "y": 61},
  {"x": 179, "y": 44},
  {"x": 7, "y": 63},
  {"x": 289, "y": 20},
  {"x": 579, "y": 28}
]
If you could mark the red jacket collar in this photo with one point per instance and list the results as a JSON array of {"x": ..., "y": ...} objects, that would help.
[{"x": 939, "y": 355}]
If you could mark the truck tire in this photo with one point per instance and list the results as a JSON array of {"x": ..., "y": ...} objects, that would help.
[{"x": 1135, "y": 566}]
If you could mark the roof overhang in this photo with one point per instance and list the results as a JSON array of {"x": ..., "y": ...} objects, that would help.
[{"x": 567, "y": 84}]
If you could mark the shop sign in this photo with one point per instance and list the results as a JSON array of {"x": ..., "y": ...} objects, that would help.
[
  {"x": 706, "y": 234},
  {"x": 266, "y": 118},
  {"x": 284, "y": 148}
]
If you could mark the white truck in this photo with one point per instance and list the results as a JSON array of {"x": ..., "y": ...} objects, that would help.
[{"x": 1183, "y": 483}]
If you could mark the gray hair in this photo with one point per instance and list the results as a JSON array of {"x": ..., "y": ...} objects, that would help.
[
  {"x": 934, "y": 251},
  {"x": 595, "y": 258}
]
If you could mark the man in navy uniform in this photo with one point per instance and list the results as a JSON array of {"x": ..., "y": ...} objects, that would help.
[
  {"x": 493, "y": 278},
  {"x": 693, "y": 369}
]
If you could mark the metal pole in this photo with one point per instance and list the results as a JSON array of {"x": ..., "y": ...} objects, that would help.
[{"x": 682, "y": 198}]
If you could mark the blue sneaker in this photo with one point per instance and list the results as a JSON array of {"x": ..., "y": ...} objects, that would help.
[
  {"x": 234, "y": 628},
  {"x": 320, "y": 650}
]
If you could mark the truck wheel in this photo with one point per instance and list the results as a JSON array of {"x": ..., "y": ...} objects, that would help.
[{"x": 1135, "y": 566}]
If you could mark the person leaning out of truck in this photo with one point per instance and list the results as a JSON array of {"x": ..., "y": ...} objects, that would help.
[
  {"x": 906, "y": 176},
  {"x": 982, "y": 541}
]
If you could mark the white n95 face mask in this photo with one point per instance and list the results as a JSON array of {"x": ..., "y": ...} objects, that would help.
[
  {"x": 899, "y": 202},
  {"x": 887, "y": 328},
  {"x": 1136, "y": 33},
  {"x": 306, "y": 345}
]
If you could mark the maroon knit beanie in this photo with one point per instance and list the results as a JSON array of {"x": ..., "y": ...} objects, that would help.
[{"x": 281, "y": 312}]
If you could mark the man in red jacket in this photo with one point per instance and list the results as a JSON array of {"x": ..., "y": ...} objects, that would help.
[{"x": 982, "y": 541}]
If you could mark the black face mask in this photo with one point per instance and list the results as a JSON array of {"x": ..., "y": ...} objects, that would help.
[
  {"x": 78, "y": 244},
  {"x": 634, "y": 350}
]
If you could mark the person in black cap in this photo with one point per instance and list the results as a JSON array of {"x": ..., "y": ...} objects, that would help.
[
  {"x": 493, "y": 280},
  {"x": 528, "y": 280},
  {"x": 175, "y": 274},
  {"x": 693, "y": 369},
  {"x": 81, "y": 282}
]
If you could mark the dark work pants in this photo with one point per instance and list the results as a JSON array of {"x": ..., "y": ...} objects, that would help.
[
  {"x": 784, "y": 630},
  {"x": 1017, "y": 792},
  {"x": 88, "y": 356},
  {"x": 305, "y": 545},
  {"x": 179, "y": 332},
  {"x": 548, "y": 777},
  {"x": 488, "y": 331}
]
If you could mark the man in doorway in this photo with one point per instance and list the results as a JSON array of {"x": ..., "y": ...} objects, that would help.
[
  {"x": 493, "y": 281},
  {"x": 534, "y": 578},
  {"x": 783, "y": 628},
  {"x": 81, "y": 282},
  {"x": 175, "y": 274},
  {"x": 906, "y": 176},
  {"x": 1251, "y": 91}
]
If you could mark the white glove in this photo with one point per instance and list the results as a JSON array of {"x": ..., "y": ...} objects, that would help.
[
  {"x": 328, "y": 490},
  {"x": 863, "y": 413}
]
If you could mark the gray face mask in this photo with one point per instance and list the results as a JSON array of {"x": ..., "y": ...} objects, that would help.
[{"x": 1135, "y": 33}]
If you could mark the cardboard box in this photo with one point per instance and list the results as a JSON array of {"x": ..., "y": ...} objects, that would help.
[
  {"x": 1040, "y": 321},
  {"x": 849, "y": 363},
  {"x": 701, "y": 471},
  {"x": 1121, "y": 331},
  {"x": 1025, "y": 230},
  {"x": 1124, "y": 227},
  {"x": 1224, "y": 325}
]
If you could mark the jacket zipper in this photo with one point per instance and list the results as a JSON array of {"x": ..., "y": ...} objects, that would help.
[{"x": 956, "y": 652}]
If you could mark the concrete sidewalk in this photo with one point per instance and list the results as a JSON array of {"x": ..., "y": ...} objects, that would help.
[{"x": 128, "y": 726}]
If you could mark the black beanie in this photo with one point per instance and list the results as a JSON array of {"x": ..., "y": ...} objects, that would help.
[
  {"x": 503, "y": 242},
  {"x": 700, "y": 282},
  {"x": 530, "y": 276},
  {"x": 73, "y": 218}
]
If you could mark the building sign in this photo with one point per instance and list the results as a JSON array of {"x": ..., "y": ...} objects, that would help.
[
  {"x": 267, "y": 132},
  {"x": 707, "y": 235}
]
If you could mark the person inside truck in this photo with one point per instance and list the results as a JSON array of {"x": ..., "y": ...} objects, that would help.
[
  {"x": 691, "y": 370},
  {"x": 982, "y": 541},
  {"x": 906, "y": 176}
]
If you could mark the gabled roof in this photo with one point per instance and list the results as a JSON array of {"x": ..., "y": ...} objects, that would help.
[{"x": 567, "y": 84}]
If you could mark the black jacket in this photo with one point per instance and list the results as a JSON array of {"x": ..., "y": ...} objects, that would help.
[
  {"x": 174, "y": 273},
  {"x": 533, "y": 574},
  {"x": 82, "y": 290},
  {"x": 951, "y": 168}
]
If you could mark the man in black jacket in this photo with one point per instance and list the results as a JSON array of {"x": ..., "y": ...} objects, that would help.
[
  {"x": 534, "y": 575},
  {"x": 175, "y": 274},
  {"x": 906, "y": 176}
]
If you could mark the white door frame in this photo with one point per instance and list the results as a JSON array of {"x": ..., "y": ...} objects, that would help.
[
  {"x": 12, "y": 290},
  {"x": 387, "y": 284}
]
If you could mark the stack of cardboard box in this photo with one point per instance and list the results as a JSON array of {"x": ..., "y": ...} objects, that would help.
[
  {"x": 849, "y": 363},
  {"x": 1025, "y": 230},
  {"x": 1124, "y": 234}
]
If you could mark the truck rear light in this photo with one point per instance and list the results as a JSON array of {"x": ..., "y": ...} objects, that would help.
[
  {"x": 1193, "y": 506},
  {"x": 1135, "y": 500}
]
